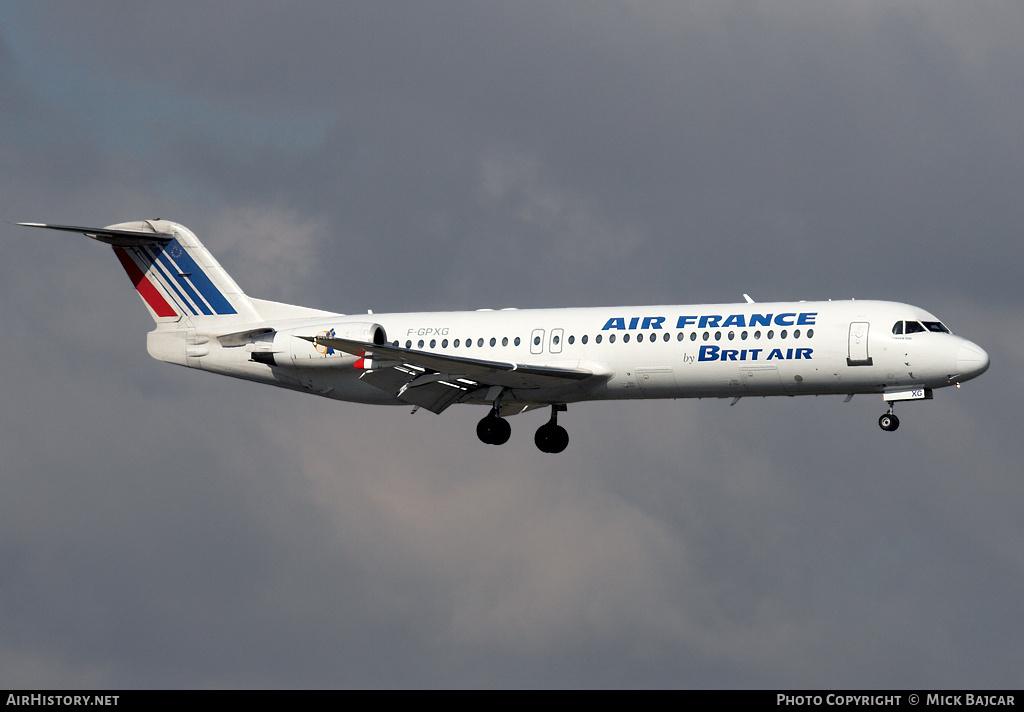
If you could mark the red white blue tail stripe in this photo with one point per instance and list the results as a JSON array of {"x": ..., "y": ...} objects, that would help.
[
  {"x": 166, "y": 275},
  {"x": 150, "y": 294}
]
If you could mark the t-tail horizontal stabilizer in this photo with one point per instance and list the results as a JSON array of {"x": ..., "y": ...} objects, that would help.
[{"x": 118, "y": 238}]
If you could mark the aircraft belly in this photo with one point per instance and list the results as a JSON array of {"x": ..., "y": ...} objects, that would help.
[
  {"x": 802, "y": 377},
  {"x": 761, "y": 379},
  {"x": 657, "y": 381},
  {"x": 703, "y": 379}
]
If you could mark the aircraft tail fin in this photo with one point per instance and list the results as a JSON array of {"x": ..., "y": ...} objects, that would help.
[{"x": 174, "y": 274}]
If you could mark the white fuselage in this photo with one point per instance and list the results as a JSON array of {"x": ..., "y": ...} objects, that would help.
[{"x": 681, "y": 351}]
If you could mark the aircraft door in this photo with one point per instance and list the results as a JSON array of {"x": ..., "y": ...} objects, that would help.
[
  {"x": 555, "y": 345},
  {"x": 537, "y": 341},
  {"x": 858, "y": 346}
]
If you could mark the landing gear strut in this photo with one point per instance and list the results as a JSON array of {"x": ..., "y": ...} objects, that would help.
[
  {"x": 889, "y": 422},
  {"x": 552, "y": 437},
  {"x": 493, "y": 429}
]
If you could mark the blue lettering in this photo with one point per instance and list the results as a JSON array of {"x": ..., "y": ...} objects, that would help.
[
  {"x": 708, "y": 353},
  {"x": 729, "y": 354},
  {"x": 633, "y": 322},
  {"x": 652, "y": 322},
  {"x": 616, "y": 322},
  {"x": 754, "y": 353},
  {"x": 803, "y": 353},
  {"x": 716, "y": 321},
  {"x": 775, "y": 354}
]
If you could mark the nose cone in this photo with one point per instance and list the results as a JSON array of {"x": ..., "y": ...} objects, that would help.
[{"x": 971, "y": 361}]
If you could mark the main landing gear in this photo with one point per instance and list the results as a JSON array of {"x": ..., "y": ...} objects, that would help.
[
  {"x": 550, "y": 437},
  {"x": 889, "y": 422},
  {"x": 493, "y": 429}
]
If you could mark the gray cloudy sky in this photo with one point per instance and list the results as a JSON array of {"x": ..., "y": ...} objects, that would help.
[{"x": 164, "y": 527}]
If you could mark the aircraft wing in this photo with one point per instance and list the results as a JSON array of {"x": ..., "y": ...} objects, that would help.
[{"x": 435, "y": 381}]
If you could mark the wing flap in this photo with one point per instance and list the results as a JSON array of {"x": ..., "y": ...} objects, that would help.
[
  {"x": 435, "y": 394},
  {"x": 418, "y": 386}
]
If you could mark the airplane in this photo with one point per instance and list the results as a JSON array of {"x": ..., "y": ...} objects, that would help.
[{"x": 515, "y": 360}]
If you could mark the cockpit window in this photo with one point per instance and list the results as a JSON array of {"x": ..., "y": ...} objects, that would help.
[{"x": 916, "y": 327}]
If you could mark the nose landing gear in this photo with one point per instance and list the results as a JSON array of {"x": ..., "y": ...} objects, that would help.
[{"x": 889, "y": 422}]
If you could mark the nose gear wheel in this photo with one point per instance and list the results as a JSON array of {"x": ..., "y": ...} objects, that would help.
[{"x": 888, "y": 421}]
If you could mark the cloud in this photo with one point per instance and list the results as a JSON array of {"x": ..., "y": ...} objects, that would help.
[
  {"x": 274, "y": 248},
  {"x": 164, "y": 528}
]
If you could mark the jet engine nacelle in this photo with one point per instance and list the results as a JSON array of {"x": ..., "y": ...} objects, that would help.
[{"x": 291, "y": 350}]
